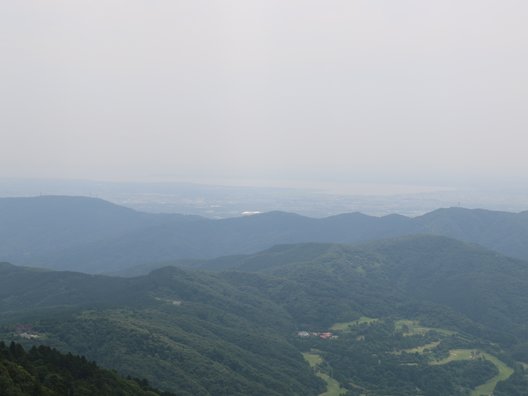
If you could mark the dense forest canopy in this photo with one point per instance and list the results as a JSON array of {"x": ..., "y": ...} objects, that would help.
[{"x": 43, "y": 371}]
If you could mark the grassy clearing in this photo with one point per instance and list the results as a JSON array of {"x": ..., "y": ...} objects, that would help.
[
  {"x": 504, "y": 373},
  {"x": 487, "y": 388},
  {"x": 313, "y": 359},
  {"x": 344, "y": 326},
  {"x": 420, "y": 349},
  {"x": 333, "y": 388},
  {"x": 458, "y": 354},
  {"x": 413, "y": 327}
]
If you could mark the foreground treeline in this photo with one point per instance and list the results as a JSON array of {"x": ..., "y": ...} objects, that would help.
[{"x": 43, "y": 371}]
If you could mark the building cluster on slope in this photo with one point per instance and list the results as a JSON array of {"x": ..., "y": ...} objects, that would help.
[{"x": 326, "y": 335}]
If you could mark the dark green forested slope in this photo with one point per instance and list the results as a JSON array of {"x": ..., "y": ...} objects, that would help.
[
  {"x": 488, "y": 288},
  {"x": 193, "y": 333},
  {"x": 43, "y": 371},
  {"x": 476, "y": 298}
]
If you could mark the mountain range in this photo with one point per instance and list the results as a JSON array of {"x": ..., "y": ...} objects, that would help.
[
  {"x": 269, "y": 304},
  {"x": 95, "y": 236}
]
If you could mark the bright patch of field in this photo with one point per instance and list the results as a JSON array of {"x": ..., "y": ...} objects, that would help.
[
  {"x": 420, "y": 349},
  {"x": 333, "y": 388},
  {"x": 313, "y": 359},
  {"x": 344, "y": 326},
  {"x": 458, "y": 354},
  {"x": 413, "y": 327},
  {"x": 487, "y": 388}
]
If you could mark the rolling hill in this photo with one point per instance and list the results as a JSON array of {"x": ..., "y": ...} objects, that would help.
[
  {"x": 188, "y": 332},
  {"x": 32, "y": 229},
  {"x": 480, "y": 284}
]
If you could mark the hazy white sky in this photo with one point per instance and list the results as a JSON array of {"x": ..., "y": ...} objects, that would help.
[{"x": 359, "y": 90}]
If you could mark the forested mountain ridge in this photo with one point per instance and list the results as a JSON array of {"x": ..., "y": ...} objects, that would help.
[
  {"x": 32, "y": 229},
  {"x": 91, "y": 235},
  {"x": 233, "y": 331},
  {"x": 193, "y": 333},
  {"x": 503, "y": 232},
  {"x": 463, "y": 276}
]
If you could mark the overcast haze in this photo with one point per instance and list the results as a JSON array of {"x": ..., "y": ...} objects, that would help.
[{"x": 359, "y": 91}]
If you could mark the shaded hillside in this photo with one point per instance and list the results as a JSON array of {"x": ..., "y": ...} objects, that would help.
[
  {"x": 504, "y": 232},
  {"x": 23, "y": 288}
]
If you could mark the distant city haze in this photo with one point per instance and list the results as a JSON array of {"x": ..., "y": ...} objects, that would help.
[{"x": 404, "y": 93}]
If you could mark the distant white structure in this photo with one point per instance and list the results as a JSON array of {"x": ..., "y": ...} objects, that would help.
[
  {"x": 29, "y": 336},
  {"x": 250, "y": 213}
]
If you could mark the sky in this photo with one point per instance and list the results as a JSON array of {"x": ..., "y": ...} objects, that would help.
[{"x": 355, "y": 91}]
